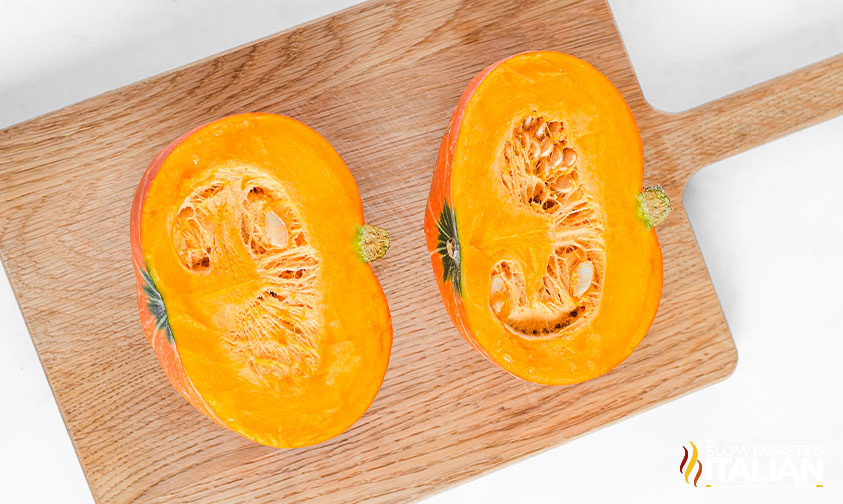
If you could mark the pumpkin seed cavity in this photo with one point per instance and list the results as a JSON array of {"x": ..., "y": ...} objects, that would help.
[
  {"x": 540, "y": 172},
  {"x": 277, "y": 331}
]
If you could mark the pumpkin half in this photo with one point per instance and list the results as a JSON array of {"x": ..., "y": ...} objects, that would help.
[
  {"x": 250, "y": 254},
  {"x": 540, "y": 235}
]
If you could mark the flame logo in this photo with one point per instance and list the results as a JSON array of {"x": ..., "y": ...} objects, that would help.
[{"x": 687, "y": 470}]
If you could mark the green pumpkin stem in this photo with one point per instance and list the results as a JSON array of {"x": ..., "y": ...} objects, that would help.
[
  {"x": 371, "y": 242},
  {"x": 448, "y": 247},
  {"x": 653, "y": 206},
  {"x": 155, "y": 305}
]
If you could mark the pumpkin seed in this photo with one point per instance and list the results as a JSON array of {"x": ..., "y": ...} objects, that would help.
[
  {"x": 569, "y": 157},
  {"x": 583, "y": 277},
  {"x": 276, "y": 230}
]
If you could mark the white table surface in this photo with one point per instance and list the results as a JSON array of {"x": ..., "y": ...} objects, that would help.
[{"x": 769, "y": 223}]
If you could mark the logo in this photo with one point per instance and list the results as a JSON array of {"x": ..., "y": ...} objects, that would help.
[
  {"x": 687, "y": 466},
  {"x": 753, "y": 465},
  {"x": 759, "y": 465}
]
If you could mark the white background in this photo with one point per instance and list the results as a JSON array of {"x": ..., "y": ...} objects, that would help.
[{"x": 769, "y": 222}]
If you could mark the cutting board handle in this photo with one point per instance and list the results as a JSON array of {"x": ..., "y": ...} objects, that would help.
[{"x": 751, "y": 117}]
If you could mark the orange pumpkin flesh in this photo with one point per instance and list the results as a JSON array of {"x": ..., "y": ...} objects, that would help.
[
  {"x": 249, "y": 243},
  {"x": 540, "y": 235}
]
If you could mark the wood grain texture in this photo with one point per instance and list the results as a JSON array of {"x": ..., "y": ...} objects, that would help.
[{"x": 379, "y": 81}]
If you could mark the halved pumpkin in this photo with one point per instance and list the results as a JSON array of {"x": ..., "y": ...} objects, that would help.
[
  {"x": 540, "y": 235},
  {"x": 250, "y": 253}
]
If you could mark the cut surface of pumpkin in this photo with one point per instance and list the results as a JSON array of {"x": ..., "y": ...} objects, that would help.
[
  {"x": 538, "y": 188},
  {"x": 246, "y": 235}
]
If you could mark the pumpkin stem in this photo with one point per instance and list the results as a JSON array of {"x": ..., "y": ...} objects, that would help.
[
  {"x": 371, "y": 242},
  {"x": 653, "y": 206}
]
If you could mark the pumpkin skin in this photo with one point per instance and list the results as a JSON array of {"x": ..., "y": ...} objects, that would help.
[
  {"x": 255, "y": 322},
  {"x": 540, "y": 237}
]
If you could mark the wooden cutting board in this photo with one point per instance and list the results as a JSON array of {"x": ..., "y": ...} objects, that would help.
[{"x": 379, "y": 81}]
